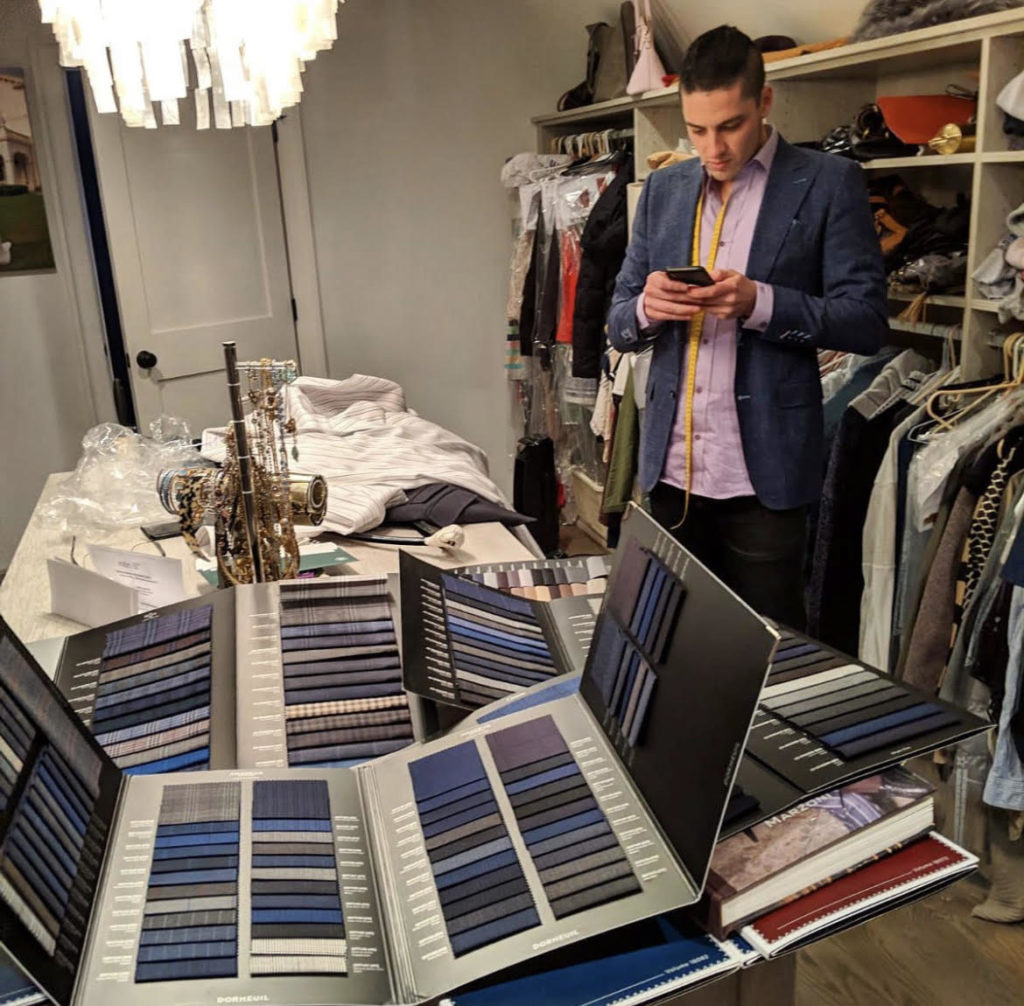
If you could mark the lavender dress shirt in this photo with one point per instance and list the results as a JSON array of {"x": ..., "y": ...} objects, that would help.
[{"x": 719, "y": 467}]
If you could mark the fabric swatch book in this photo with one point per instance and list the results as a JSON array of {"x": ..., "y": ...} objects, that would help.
[
  {"x": 543, "y": 579},
  {"x": 397, "y": 880},
  {"x": 827, "y": 835},
  {"x": 826, "y": 719},
  {"x": 302, "y": 673},
  {"x": 914, "y": 871},
  {"x": 467, "y": 642}
]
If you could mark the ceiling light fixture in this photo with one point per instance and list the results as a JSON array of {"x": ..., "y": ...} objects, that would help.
[{"x": 247, "y": 55}]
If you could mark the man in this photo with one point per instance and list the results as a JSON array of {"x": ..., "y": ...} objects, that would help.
[{"x": 732, "y": 455}]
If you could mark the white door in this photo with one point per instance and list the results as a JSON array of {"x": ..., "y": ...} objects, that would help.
[{"x": 198, "y": 250}]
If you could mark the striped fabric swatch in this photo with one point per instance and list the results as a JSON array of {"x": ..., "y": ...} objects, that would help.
[
  {"x": 344, "y": 701},
  {"x": 49, "y": 852},
  {"x": 16, "y": 735},
  {"x": 297, "y": 922},
  {"x": 625, "y": 679},
  {"x": 495, "y": 642},
  {"x": 190, "y": 925},
  {"x": 852, "y": 710},
  {"x": 544, "y": 580},
  {"x": 578, "y": 857},
  {"x": 483, "y": 892},
  {"x": 152, "y": 707}
]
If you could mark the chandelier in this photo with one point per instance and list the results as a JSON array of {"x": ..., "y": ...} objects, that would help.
[{"x": 247, "y": 56}]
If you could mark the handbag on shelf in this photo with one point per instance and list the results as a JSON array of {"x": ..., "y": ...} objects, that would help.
[
  {"x": 648, "y": 72},
  {"x": 610, "y": 78},
  {"x": 867, "y": 137},
  {"x": 583, "y": 93}
]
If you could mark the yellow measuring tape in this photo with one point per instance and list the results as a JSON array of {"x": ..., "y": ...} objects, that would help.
[{"x": 693, "y": 344}]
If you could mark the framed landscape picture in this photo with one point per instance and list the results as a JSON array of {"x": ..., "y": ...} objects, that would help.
[{"x": 24, "y": 236}]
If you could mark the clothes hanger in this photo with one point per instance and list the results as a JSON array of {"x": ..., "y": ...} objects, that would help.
[{"x": 984, "y": 393}]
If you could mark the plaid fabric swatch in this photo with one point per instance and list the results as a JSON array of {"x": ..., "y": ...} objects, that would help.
[
  {"x": 341, "y": 661},
  {"x": 297, "y": 921},
  {"x": 193, "y": 882},
  {"x": 153, "y": 693}
]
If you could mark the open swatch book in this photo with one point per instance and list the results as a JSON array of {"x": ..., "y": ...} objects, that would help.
[
  {"x": 399, "y": 879},
  {"x": 258, "y": 676}
]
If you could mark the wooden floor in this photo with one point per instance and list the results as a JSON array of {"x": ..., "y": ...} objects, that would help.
[{"x": 928, "y": 954}]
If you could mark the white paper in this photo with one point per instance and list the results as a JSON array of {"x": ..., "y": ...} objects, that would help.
[
  {"x": 159, "y": 580},
  {"x": 89, "y": 597},
  {"x": 47, "y": 653}
]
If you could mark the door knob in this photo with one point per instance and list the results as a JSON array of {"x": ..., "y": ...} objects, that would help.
[{"x": 146, "y": 360}]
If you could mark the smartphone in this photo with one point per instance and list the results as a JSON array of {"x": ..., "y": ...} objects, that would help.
[{"x": 694, "y": 275}]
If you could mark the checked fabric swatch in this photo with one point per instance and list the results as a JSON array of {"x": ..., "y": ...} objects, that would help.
[
  {"x": 297, "y": 922},
  {"x": 152, "y": 708},
  {"x": 190, "y": 924},
  {"x": 496, "y": 644},
  {"x": 344, "y": 700},
  {"x": 578, "y": 857},
  {"x": 481, "y": 887}
]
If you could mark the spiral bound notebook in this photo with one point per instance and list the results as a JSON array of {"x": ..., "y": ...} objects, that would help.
[
  {"x": 670, "y": 955},
  {"x": 914, "y": 871}
]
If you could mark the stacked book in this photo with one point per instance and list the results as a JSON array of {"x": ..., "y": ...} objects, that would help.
[{"x": 837, "y": 859}]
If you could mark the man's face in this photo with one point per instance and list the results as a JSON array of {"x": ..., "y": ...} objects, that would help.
[{"x": 725, "y": 127}]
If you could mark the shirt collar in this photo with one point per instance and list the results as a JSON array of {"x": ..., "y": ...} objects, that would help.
[{"x": 766, "y": 154}]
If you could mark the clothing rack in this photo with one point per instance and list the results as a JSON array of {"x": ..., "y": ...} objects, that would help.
[{"x": 589, "y": 144}]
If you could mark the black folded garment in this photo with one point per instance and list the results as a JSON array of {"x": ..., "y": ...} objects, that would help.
[{"x": 441, "y": 504}]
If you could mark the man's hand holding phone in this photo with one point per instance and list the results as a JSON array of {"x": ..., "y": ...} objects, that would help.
[{"x": 728, "y": 295}]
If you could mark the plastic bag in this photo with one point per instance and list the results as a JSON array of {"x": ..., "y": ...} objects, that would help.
[{"x": 113, "y": 485}]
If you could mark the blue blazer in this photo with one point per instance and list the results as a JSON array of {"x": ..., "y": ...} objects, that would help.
[{"x": 815, "y": 243}]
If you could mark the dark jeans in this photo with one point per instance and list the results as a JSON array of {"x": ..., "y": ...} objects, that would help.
[{"x": 755, "y": 551}]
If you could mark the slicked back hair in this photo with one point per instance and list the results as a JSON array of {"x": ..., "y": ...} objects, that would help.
[{"x": 719, "y": 59}]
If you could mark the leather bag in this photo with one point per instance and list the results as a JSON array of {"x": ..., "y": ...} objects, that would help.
[{"x": 649, "y": 71}]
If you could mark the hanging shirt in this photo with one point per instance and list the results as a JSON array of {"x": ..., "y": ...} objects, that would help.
[{"x": 719, "y": 466}]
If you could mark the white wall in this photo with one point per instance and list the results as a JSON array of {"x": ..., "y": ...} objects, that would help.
[
  {"x": 407, "y": 122},
  {"x": 802, "y": 20},
  {"x": 51, "y": 343}
]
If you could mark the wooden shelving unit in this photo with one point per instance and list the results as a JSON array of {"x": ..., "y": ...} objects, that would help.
[{"x": 816, "y": 92}]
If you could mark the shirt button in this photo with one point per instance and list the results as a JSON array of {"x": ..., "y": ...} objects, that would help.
[
  {"x": 699, "y": 389},
  {"x": 696, "y": 436},
  {"x": 705, "y": 341}
]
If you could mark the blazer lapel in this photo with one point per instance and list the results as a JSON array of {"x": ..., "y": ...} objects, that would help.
[{"x": 789, "y": 181}]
